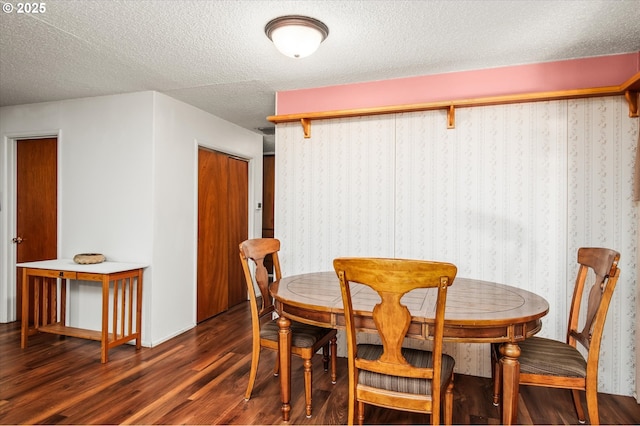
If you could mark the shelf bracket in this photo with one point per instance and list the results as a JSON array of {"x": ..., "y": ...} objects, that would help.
[
  {"x": 451, "y": 117},
  {"x": 632, "y": 97},
  {"x": 306, "y": 127}
]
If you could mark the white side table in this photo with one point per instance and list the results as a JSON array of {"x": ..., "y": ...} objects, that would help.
[{"x": 126, "y": 306}]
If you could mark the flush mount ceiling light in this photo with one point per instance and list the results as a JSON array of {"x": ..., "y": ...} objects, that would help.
[{"x": 296, "y": 36}]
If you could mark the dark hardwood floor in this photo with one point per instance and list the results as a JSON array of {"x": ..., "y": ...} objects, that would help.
[{"x": 200, "y": 377}]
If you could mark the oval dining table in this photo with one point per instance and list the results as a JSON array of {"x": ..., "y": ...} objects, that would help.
[{"x": 476, "y": 312}]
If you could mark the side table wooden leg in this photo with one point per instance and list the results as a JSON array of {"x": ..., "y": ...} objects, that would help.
[
  {"x": 104, "y": 342},
  {"x": 510, "y": 382},
  {"x": 63, "y": 301},
  {"x": 138, "y": 307},
  {"x": 284, "y": 350},
  {"x": 25, "y": 309}
]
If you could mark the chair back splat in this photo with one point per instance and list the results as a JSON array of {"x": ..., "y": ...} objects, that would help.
[
  {"x": 257, "y": 250},
  {"x": 389, "y": 375},
  {"x": 604, "y": 264}
]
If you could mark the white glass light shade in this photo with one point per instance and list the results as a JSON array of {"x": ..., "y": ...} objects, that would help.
[
  {"x": 296, "y": 41},
  {"x": 296, "y": 36}
]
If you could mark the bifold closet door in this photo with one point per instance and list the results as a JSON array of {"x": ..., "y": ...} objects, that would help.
[{"x": 222, "y": 225}]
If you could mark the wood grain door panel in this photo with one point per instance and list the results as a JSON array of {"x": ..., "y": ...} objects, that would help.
[
  {"x": 223, "y": 215},
  {"x": 36, "y": 204},
  {"x": 238, "y": 227},
  {"x": 268, "y": 203},
  {"x": 213, "y": 234}
]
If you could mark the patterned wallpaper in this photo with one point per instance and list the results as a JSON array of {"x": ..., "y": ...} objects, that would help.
[
  {"x": 602, "y": 141},
  {"x": 508, "y": 196}
]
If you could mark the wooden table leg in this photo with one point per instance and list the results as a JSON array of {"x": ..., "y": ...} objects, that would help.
[
  {"x": 510, "y": 382},
  {"x": 138, "y": 308},
  {"x": 104, "y": 342},
  {"x": 25, "y": 309},
  {"x": 284, "y": 350},
  {"x": 63, "y": 301}
]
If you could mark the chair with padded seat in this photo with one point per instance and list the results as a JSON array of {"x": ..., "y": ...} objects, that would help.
[
  {"x": 389, "y": 375},
  {"x": 306, "y": 339},
  {"x": 556, "y": 364}
]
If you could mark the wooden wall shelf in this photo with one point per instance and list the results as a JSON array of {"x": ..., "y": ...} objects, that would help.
[{"x": 629, "y": 89}]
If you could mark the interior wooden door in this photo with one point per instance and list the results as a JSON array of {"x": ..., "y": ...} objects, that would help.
[
  {"x": 222, "y": 225},
  {"x": 238, "y": 226},
  {"x": 213, "y": 234},
  {"x": 36, "y": 205},
  {"x": 268, "y": 203},
  {"x": 268, "y": 195}
]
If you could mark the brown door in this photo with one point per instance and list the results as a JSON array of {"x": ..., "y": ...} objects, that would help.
[
  {"x": 36, "y": 204},
  {"x": 268, "y": 202},
  {"x": 238, "y": 226},
  {"x": 222, "y": 225},
  {"x": 268, "y": 195}
]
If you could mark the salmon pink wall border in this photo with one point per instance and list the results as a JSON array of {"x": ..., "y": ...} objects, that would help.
[{"x": 601, "y": 71}]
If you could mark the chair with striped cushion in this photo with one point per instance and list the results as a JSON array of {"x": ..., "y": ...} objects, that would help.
[
  {"x": 306, "y": 339},
  {"x": 389, "y": 375},
  {"x": 551, "y": 363}
]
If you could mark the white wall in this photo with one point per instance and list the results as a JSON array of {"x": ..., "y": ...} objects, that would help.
[
  {"x": 178, "y": 131},
  {"x": 127, "y": 188},
  {"x": 508, "y": 196},
  {"x": 104, "y": 181}
]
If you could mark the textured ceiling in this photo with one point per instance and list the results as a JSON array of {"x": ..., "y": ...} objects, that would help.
[{"x": 214, "y": 54}]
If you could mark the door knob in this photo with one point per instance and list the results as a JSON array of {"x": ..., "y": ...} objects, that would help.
[{"x": 17, "y": 240}]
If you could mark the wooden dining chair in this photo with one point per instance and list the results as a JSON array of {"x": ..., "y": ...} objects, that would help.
[
  {"x": 551, "y": 363},
  {"x": 389, "y": 375},
  {"x": 306, "y": 339}
]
